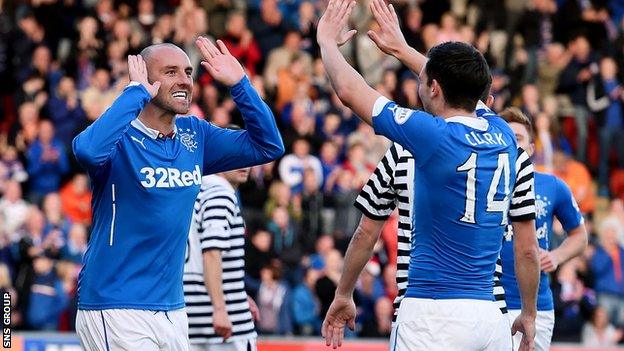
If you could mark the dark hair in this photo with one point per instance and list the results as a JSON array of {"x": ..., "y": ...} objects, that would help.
[
  {"x": 515, "y": 115},
  {"x": 461, "y": 71},
  {"x": 486, "y": 92}
]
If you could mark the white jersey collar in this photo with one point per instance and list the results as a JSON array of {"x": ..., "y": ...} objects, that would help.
[
  {"x": 152, "y": 133},
  {"x": 478, "y": 123}
]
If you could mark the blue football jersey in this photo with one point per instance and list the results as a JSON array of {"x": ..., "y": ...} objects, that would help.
[
  {"x": 553, "y": 198},
  {"x": 465, "y": 173},
  {"x": 144, "y": 187}
]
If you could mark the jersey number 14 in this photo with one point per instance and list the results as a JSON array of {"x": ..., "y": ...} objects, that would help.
[{"x": 493, "y": 205}]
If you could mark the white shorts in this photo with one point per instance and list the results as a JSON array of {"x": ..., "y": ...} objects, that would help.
[
  {"x": 236, "y": 345},
  {"x": 429, "y": 325},
  {"x": 127, "y": 329},
  {"x": 544, "y": 324}
]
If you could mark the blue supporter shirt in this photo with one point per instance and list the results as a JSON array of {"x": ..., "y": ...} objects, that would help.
[
  {"x": 553, "y": 198},
  {"x": 144, "y": 188},
  {"x": 465, "y": 173}
]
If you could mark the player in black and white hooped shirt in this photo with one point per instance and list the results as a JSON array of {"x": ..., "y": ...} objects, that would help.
[{"x": 219, "y": 311}]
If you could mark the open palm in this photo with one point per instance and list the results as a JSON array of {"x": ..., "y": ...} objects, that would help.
[
  {"x": 340, "y": 313},
  {"x": 221, "y": 65},
  {"x": 389, "y": 37},
  {"x": 137, "y": 70}
]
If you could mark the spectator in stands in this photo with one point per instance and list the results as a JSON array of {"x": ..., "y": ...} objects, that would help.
[
  {"x": 573, "y": 302},
  {"x": 599, "y": 332},
  {"x": 283, "y": 56},
  {"x": 383, "y": 316},
  {"x": 241, "y": 42},
  {"x": 530, "y": 101},
  {"x": 607, "y": 265},
  {"x": 258, "y": 254},
  {"x": 30, "y": 245},
  {"x": 24, "y": 133},
  {"x": 98, "y": 95},
  {"x": 13, "y": 209},
  {"x": 48, "y": 297},
  {"x": 326, "y": 285},
  {"x": 373, "y": 147},
  {"x": 573, "y": 81},
  {"x": 550, "y": 67},
  {"x": 305, "y": 305},
  {"x": 65, "y": 111},
  {"x": 41, "y": 66},
  {"x": 292, "y": 166},
  {"x": 347, "y": 216},
  {"x": 577, "y": 177},
  {"x": 76, "y": 200},
  {"x": 273, "y": 302},
  {"x": 68, "y": 272},
  {"x": 76, "y": 245},
  {"x": 329, "y": 161},
  {"x": 604, "y": 97},
  {"x": 280, "y": 196},
  {"x": 312, "y": 205},
  {"x": 286, "y": 244},
  {"x": 47, "y": 162},
  {"x": 367, "y": 291},
  {"x": 55, "y": 219},
  {"x": 189, "y": 23},
  {"x": 11, "y": 167},
  {"x": 268, "y": 25},
  {"x": 330, "y": 131}
]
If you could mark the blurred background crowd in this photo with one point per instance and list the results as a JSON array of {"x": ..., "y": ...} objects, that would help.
[{"x": 62, "y": 62}]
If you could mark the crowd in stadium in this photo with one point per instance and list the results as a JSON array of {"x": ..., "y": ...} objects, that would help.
[{"x": 63, "y": 62}]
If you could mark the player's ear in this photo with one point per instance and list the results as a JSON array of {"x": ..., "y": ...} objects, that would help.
[
  {"x": 435, "y": 89},
  {"x": 490, "y": 101},
  {"x": 531, "y": 149}
]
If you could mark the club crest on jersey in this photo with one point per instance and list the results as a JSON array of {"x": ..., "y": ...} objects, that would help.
[
  {"x": 188, "y": 140},
  {"x": 401, "y": 115},
  {"x": 541, "y": 204}
]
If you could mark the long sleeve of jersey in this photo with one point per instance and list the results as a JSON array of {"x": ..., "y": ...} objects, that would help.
[
  {"x": 261, "y": 142},
  {"x": 96, "y": 145}
]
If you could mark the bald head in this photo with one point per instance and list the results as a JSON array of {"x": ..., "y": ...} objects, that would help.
[{"x": 149, "y": 51}]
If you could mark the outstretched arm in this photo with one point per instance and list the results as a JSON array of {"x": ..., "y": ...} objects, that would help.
[
  {"x": 390, "y": 39},
  {"x": 342, "y": 310},
  {"x": 349, "y": 85}
]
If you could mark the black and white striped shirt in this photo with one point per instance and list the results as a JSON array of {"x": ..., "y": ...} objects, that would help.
[
  {"x": 217, "y": 225},
  {"x": 392, "y": 185}
]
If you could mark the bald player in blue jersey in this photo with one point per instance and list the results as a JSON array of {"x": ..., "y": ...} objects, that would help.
[
  {"x": 553, "y": 198},
  {"x": 465, "y": 170},
  {"x": 145, "y": 163}
]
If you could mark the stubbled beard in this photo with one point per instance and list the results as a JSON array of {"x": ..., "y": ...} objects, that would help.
[{"x": 169, "y": 107}]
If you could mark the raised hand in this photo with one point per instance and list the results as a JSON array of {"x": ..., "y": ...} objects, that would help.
[
  {"x": 331, "y": 27},
  {"x": 221, "y": 65},
  {"x": 525, "y": 325},
  {"x": 340, "y": 313},
  {"x": 389, "y": 38},
  {"x": 137, "y": 70}
]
